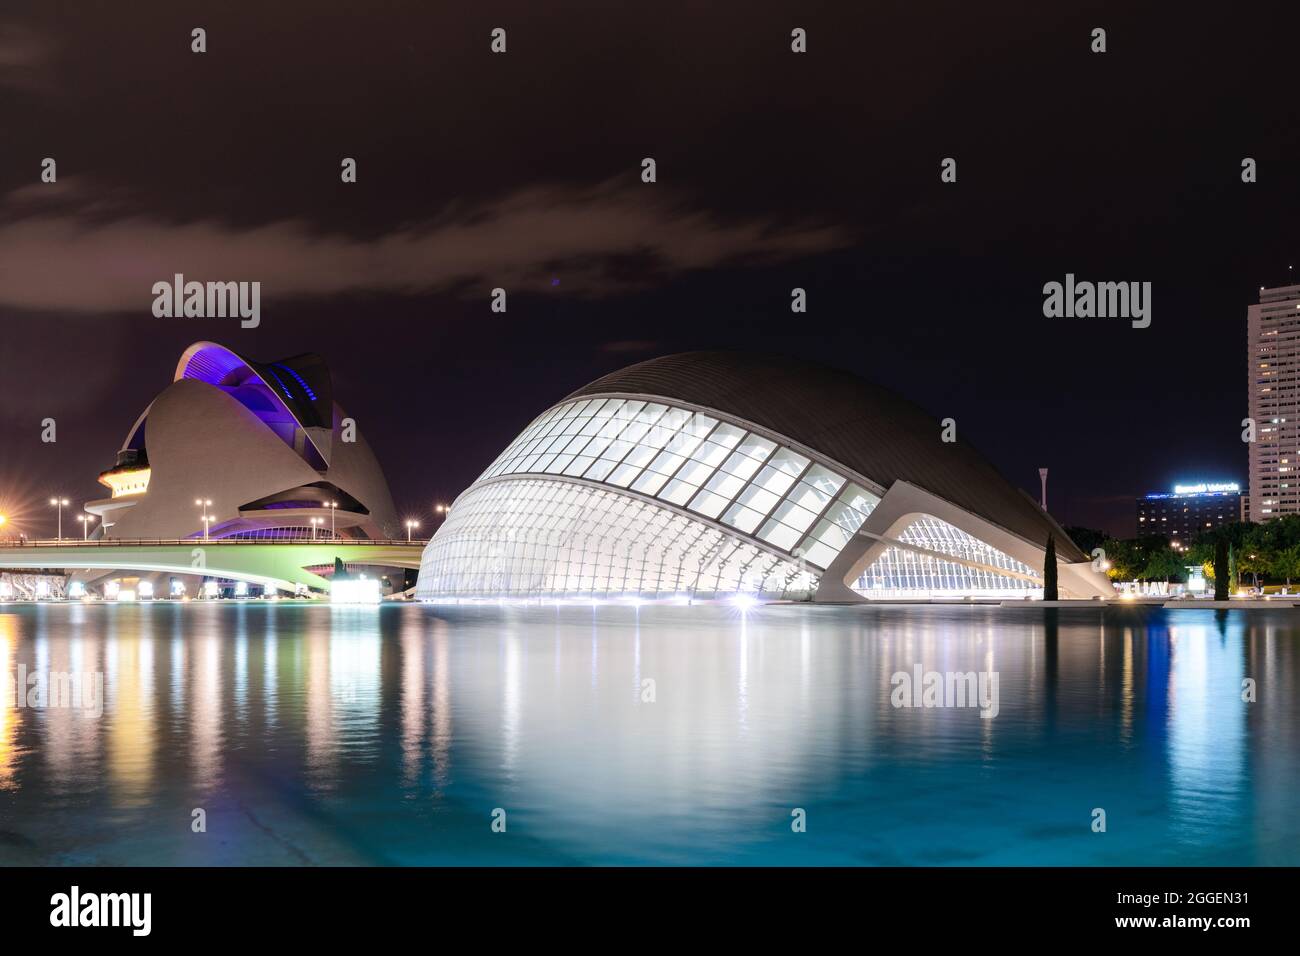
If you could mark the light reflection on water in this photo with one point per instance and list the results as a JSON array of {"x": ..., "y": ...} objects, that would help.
[{"x": 311, "y": 734}]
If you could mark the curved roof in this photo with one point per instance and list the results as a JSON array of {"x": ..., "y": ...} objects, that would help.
[
  {"x": 873, "y": 431},
  {"x": 300, "y": 384}
]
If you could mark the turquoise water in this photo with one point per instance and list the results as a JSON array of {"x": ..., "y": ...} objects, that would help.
[{"x": 318, "y": 735}]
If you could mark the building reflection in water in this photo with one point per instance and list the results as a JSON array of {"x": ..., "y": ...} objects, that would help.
[
  {"x": 205, "y": 711},
  {"x": 443, "y": 724},
  {"x": 327, "y": 712},
  {"x": 426, "y": 706},
  {"x": 132, "y": 723},
  {"x": 270, "y": 672},
  {"x": 10, "y": 715},
  {"x": 414, "y": 705},
  {"x": 321, "y": 741},
  {"x": 240, "y": 670},
  {"x": 72, "y": 742},
  {"x": 1207, "y": 722},
  {"x": 1273, "y": 732},
  {"x": 343, "y": 704}
]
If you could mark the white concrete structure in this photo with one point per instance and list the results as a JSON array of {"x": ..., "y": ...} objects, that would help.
[
  {"x": 234, "y": 448},
  {"x": 1273, "y": 337},
  {"x": 713, "y": 475}
]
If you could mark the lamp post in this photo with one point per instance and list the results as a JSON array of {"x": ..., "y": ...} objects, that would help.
[
  {"x": 60, "y": 503},
  {"x": 86, "y": 522},
  {"x": 205, "y": 504},
  {"x": 409, "y": 526},
  {"x": 314, "y": 523},
  {"x": 442, "y": 509},
  {"x": 333, "y": 507}
]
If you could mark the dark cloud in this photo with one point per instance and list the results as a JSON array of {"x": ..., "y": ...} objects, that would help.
[
  {"x": 518, "y": 243},
  {"x": 25, "y": 57},
  {"x": 631, "y": 346}
]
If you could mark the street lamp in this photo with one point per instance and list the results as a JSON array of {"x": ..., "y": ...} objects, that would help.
[
  {"x": 409, "y": 526},
  {"x": 205, "y": 504},
  {"x": 60, "y": 503},
  {"x": 442, "y": 509},
  {"x": 333, "y": 506},
  {"x": 86, "y": 522},
  {"x": 314, "y": 523}
]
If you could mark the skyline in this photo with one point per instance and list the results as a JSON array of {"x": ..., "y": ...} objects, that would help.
[
  {"x": 824, "y": 175},
  {"x": 34, "y": 517}
]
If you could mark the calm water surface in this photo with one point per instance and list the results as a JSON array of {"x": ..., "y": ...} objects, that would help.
[{"x": 319, "y": 735}]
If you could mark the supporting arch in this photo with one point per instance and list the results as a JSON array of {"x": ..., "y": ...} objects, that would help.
[{"x": 905, "y": 503}]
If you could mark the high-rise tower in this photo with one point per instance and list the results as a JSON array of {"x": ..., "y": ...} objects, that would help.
[{"x": 1274, "y": 347}]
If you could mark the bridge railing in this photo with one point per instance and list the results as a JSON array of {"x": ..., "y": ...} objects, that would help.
[{"x": 119, "y": 542}]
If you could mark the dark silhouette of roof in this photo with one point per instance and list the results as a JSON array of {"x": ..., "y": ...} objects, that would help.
[{"x": 873, "y": 431}]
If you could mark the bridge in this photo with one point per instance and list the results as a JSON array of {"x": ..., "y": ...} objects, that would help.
[{"x": 279, "y": 563}]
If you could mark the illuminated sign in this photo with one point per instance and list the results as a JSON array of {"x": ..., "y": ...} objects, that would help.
[{"x": 1207, "y": 488}]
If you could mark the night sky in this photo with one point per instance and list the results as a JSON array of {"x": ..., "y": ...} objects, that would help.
[{"x": 775, "y": 170}]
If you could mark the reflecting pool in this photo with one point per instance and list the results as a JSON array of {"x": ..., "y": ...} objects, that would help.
[{"x": 260, "y": 733}]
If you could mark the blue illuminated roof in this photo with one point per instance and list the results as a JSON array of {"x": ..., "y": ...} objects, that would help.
[
  {"x": 218, "y": 365},
  {"x": 310, "y": 404},
  {"x": 301, "y": 381}
]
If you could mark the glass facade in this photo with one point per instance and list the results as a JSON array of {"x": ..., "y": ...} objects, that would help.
[
  {"x": 773, "y": 518},
  {"x": 532, "y": 537},
  {"x": 903, "y": 572},
  {"x": 608, "y": 497},
  {"x": 698, "y": 462}
]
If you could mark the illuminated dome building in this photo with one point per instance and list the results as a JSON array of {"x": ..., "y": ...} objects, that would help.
[
  {"x": 263, "y": 446},
  {"x": 716, "y": 474}
]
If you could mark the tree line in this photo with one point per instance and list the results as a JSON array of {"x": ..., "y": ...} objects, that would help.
[{"x": 1258, "y": 555}]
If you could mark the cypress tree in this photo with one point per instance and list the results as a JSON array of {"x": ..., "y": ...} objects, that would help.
[
  {"x": 1221, "y": 568},
  {"x": 1049, "y": 570}
]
